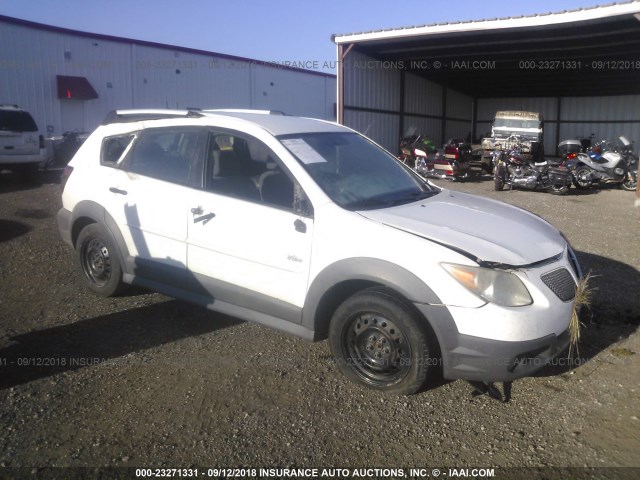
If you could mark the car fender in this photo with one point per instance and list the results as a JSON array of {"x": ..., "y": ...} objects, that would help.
[
  {"x": 90, "y": 210},
  {"x": 338, "y": 281}
]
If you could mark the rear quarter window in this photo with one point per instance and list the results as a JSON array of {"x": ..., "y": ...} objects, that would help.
[
  {"x": 115, "y": 148},
  {"x": 17, "y": 121}
]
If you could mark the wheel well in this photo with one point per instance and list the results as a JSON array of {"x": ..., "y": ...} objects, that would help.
[
  {"x": 337, "y": 294},
  {"x": 332, "y": 299},
  {"x": 78, "y": 225}
]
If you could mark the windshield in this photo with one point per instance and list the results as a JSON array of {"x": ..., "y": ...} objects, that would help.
[
  {"x": 515, "y": 123},
  {"x": 355, "y": 173}
]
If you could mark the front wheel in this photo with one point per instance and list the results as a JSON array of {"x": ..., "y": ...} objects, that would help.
[
  {"x": 99, "y": 260},
  {"x": 630, "y": 183},
  {"x": 379, "y": 341},
  {"x": 498, "y": 183}
]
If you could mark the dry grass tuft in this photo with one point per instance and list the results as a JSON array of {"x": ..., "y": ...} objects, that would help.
[{"x": 581, "y": 300}]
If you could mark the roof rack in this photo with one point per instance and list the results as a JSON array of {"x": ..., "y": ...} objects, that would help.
[
  {"x": 127, "y": 116},
  {"x": 244, "y": 110}
]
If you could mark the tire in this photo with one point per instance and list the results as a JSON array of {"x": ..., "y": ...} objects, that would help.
[
  {"x": 379, "y": 341},
  {"x": 629, "y": 184},
  {"x": 498, "y": 183},
  {"x": 580, "y": 179},
  {"x": 99, "y": 260}
]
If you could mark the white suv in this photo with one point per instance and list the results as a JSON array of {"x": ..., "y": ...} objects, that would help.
[
  {"x": 21, "y": 146},
  {"x": 310, "y": 228}
]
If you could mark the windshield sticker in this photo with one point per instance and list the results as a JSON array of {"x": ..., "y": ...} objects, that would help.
[{"x": 303, "y": 151}]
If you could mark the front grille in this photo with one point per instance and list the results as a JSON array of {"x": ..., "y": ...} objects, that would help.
[{"x": 561, "y": 283}]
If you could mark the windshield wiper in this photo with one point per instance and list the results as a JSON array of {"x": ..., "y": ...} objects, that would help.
[
  {"x": 391, "y": 202},
  {"x": 414, "y": 197}
]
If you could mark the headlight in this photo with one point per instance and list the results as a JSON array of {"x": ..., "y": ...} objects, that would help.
[
  {"x": 420, "y": 153},
  {"x": 495, "y": 286}
]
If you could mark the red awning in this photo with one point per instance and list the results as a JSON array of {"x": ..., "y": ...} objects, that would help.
[{"x": 75, "y": 88}]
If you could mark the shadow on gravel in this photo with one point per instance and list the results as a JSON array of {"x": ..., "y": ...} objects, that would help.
[
  {"x": 45, "y": 353},
  {"x": 615, "y": 306},
  {"x": 10, "y": 229},
  {"x": 12, "y": 182}
]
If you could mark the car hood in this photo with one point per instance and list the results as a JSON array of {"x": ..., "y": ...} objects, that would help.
[{"x": 488, "y": 231}]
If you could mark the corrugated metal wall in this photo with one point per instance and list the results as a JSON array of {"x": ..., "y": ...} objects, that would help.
[
  {"x": 423, "y": 98},
  {"x": 605, "y": 117},
  {"x": 459, "y": 115},
  {"x": 130, "y": 75},
  {"x": 369, "y": 86},
  {"x": 372, "y": 97}
]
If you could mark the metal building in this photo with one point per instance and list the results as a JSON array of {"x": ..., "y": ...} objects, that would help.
[
  {"x": 69, "y": 80},
  {"x": 580, "y": 69}
]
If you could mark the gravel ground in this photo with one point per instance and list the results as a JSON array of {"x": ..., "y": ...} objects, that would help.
[{"x": 147, "y": 381}]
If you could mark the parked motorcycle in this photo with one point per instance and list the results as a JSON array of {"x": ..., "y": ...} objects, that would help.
[
  {"x": 414, "y": 147},
  {"x": 419, "y": 152},
  {"x": 631, "y": 159},
  {"x": 515, "y": 169},
  {"x": 600, "y": 164}
]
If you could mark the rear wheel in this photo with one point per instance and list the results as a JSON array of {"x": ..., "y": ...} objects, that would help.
[
  {"x": 99, "y": 260},
  {"x": 379, "y": 341},
  {"x": 582, "y": 178}
]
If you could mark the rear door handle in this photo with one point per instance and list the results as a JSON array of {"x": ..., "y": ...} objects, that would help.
[
  {"x": 197, "y": 210},
  {"x": 118, "y": 191},
  {"x": 204, "y": 219}
]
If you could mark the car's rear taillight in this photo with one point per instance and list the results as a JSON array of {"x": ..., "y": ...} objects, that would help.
[{"x": 66, "y": 173}]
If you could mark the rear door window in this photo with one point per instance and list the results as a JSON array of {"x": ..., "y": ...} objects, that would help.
[{"x": 172, "y": 154}]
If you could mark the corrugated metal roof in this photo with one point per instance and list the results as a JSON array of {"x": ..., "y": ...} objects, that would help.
[
  {"x": 591, "y": 51},
  {"x": 551, "y": 18}
]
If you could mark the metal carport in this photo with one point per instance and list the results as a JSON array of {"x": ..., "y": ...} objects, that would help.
[{"x": 580, "y": 68}]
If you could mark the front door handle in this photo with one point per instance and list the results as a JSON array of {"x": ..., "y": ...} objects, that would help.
[
  {"x": 118, "y": 191},
  {"x": 204, "y": 219},
  {"x": 300, "y": 226}
]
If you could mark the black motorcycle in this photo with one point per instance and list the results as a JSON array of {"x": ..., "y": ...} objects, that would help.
[{"x": 515, "y": 169}]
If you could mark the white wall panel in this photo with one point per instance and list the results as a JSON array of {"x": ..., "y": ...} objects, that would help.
[
  {"x": 293, "y": 92},
  {"x": 132, "y": 75}
]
